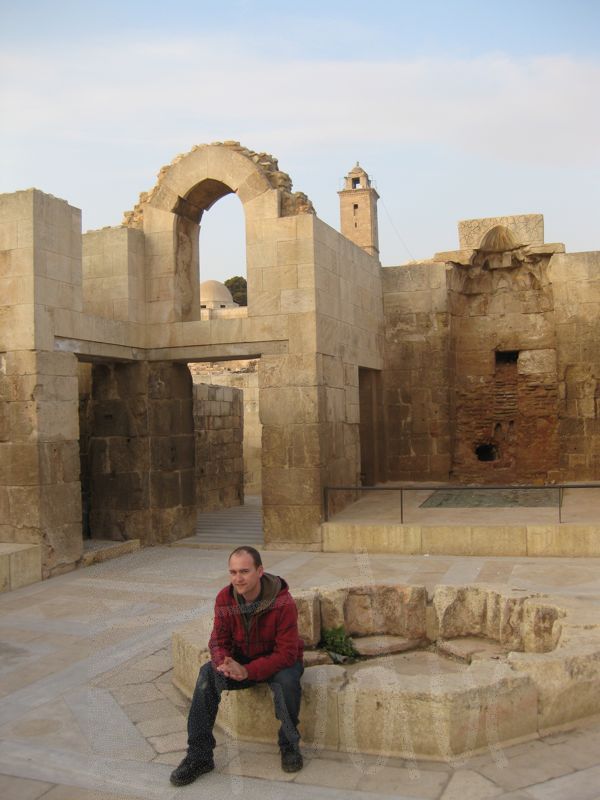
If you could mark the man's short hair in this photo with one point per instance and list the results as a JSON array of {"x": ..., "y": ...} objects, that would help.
[{"x": 251, "y": 551}]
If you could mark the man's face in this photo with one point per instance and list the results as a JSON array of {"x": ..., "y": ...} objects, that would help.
[{"x": 244, "y": 576}]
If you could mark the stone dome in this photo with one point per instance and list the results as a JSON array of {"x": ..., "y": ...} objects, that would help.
[{"x": 214, "y": 294}]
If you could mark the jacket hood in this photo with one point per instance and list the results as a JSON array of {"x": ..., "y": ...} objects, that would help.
[{"x": 271, "y": 586}]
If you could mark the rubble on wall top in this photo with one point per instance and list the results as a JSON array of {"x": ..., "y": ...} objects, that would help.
[{"x": 292, "y": 203}]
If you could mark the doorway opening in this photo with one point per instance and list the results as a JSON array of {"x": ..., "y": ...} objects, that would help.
[{"x": 371, "y": 434}]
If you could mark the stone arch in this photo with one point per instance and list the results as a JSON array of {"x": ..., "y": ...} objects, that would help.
[
  {"x": 497, "y": 240},
  {"x": 171, "y": 212}
]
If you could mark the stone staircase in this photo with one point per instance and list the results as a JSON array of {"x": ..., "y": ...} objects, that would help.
[{"x": 229, "y": 527}]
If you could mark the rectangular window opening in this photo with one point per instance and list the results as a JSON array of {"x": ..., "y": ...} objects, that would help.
[{"x": 507, "y": 356}]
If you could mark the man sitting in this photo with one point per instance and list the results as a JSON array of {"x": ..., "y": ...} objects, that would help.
[{"x": 254, "y": 639}]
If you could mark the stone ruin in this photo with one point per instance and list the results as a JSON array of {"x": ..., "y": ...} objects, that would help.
[
  {"x": 448, "y": 674},
  {"x": 480, "y": 364}
]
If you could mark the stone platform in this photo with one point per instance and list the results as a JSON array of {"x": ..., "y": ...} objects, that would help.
[
  {"x": 566, "y": 540},
  {"x": 541, "y": 672},
  {"x": 20, "y": 565},
  {"x": 372, "y": 524}
]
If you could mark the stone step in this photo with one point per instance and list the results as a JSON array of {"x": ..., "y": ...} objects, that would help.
[
  {"x": 470, "y": 648},
  {"x": 370, "y": 646},
  {"x": 97, "y": 550},
  {"x": 228, "y": 526},
  {"x": 20, "y": 565}
]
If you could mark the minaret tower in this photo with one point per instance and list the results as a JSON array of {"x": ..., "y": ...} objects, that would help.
[{"x": 358, "y": 211}]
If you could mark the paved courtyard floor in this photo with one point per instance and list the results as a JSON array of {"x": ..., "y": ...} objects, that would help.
[{"x": 88, "y": 711}]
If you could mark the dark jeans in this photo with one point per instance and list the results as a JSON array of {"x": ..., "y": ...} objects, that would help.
[{"x": 286, "y": 689}]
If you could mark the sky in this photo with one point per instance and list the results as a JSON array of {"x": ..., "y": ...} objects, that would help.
[{"x": 456, "y": 109}]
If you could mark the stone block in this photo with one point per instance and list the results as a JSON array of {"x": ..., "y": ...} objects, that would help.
[
  {"x": 126, "y": 491},
  {"x": 20, "y": 565},
  {"x": 4, "y": 568},
  {"x": 60, "y": 503},
  {"x": 566, "y": 540},
  {"x": 537, "y": 361},
  {"x": 23, "y": 506},
  {"x": 391, "y": 610},
  {"x": 290, "y": 524},
  {"x": 296, "y": 301},
  {"x": 291, "y": 487},
  {"x": 164, "y": 489},
  {"x": 568, "y": 683},
  {"x": 19, "y": 464},
  {"x": 62, "y": 548},
  {"x": 526, "y": 229},
  {"x": 496, "y": 540},
  {"x": 331, "y": 603},
  {"x": 126, "y": 454},
  {"x": 189, "y": 646},
  {"x": 504, "y": 616},
  {"x": 292, "y": 446},
  {"x": 25, "y": 565},
  {"x": 288, "y": 405},
  {"x": 302, "y": 332},
  {"x": 309, "y": 617},
  {"x": 383, "y": 715},
  {"x": 447, "y": 540},
  {"x": 301, "y": 369},
  {"x": 461, "y": 611},
  {"x": 372, "y": 646},
  {"x": 469, "y": 648},
  {"x": 340, "y": 537},
  {"x": 541, "y": 627},
  {"x": 314, "y": 658},
  {"x": 58, "y": 420}
]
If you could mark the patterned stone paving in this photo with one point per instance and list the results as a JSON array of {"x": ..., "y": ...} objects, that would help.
[
  {"x": 88, "y": 711},
  {"x": 492, "y": 498}
]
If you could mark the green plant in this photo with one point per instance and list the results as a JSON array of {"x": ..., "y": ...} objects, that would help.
[
  {"x": 239, "y": 289},
  {"x": 336, "y": 640}
]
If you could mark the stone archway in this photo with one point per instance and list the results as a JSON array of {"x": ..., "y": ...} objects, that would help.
[{"x": 171, "y": 212}]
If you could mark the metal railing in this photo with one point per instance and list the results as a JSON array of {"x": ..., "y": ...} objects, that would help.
[{"x": 559, "y": 487}]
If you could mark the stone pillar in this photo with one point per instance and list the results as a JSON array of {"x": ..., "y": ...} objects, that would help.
[
  {"x": 290, "y": 398},
  {"x": 40, "y": 279},
  {"x": 142, "y": 452}
]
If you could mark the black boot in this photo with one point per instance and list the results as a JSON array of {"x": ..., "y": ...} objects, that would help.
[
  {"x": 291, "y": 758},
  {"x": 190, "y": 769}
]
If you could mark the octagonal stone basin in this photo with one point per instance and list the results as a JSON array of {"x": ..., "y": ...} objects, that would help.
[{"x": 481, "y": 667}]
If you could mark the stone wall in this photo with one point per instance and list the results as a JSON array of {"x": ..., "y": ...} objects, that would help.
[
  {"x": 113, "y": 284},
  {"x": 416, "y": 375},
  {"x": 142, "y": 452},
  {"x": 241, "y": 375},
  {"x": 40, "y": 281},
  {"x": 349, "y": 337},
  {"x": 40, "y": 494},
  {"x": 219, "y": 432},
  {"x": 576, "y": 281},
  {"x": 492, "y": 362}
]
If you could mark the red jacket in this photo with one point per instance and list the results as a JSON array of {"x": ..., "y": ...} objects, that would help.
[{"x": 268, "y": 641}]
